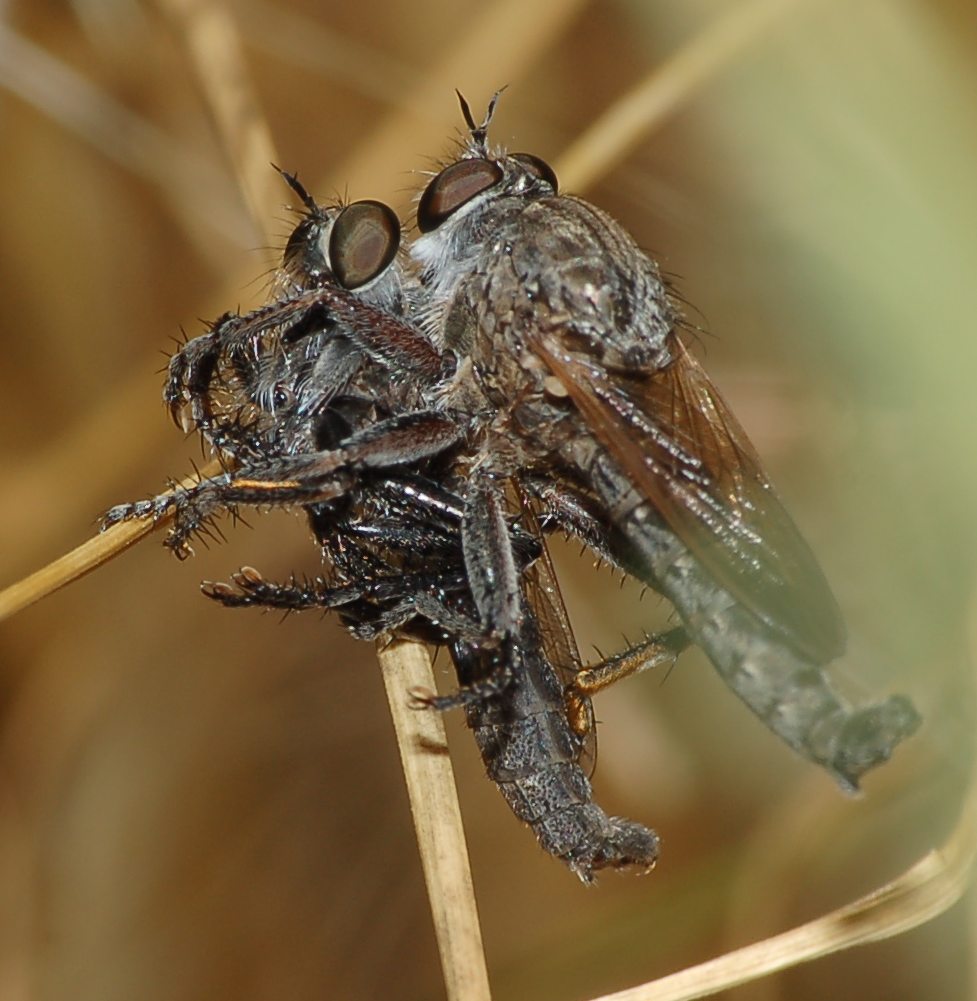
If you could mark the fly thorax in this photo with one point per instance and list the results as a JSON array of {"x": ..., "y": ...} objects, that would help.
[
  {"x": 447, "y": 254},
  {"x": 457, "y": 246},
  {"x": 459, "y": 326}
]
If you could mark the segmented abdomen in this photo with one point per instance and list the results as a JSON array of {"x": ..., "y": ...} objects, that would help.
[{"x": 533, "y": 755}]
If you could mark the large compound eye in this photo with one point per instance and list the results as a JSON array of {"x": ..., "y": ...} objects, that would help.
[
  {"x": 453, "y": 187},
  {"x": 538, "y": 168},
  {"x": 363, "y": 242}
]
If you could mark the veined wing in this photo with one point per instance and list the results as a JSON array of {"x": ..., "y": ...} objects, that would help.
[
  {"x": 682, "y": 449},
  {"x": 557, "y": 644}
]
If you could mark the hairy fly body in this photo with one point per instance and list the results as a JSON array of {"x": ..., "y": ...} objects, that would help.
[
  {"x": 571, "y": 339},
  {"x": 521, "y": 372},
  {"x": 286, "y": 395}
]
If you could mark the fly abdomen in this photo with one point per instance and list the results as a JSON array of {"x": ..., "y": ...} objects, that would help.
[
  {"x": 785, "y": 686},
  {"x": 796, "y": 700},
  {"x": 533, "y": 755},
  {"x": 786, "y": 689}
]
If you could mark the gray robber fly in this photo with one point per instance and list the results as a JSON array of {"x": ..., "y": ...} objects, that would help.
[
  {"x": 570, "y": 361},
  {"x": 306, "y": 377}
]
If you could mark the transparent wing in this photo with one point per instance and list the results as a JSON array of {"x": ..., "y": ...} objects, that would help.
[
  {"x": 682, "y": 449},
  {"x": 558, "y": 646}
]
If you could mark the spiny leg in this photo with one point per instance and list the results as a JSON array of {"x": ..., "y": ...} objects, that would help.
[
  {"x": 369, "y": 608},
  {"x": 661, "y": 648},
  {"x": 500, "y": 676},
  {"x": 250, "y": 589},
  {"x": 281, "y": 482},
  {"x": 298, "y": 479}
]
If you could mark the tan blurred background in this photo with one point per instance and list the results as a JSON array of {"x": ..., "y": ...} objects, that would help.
[{"x": 198, "y": 803}]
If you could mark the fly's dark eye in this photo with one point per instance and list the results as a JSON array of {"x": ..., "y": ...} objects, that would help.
[
  {"x": 538, "y": 168},
  {"x": 363, "y": 242},
  {"x": 453, "y": 187}
]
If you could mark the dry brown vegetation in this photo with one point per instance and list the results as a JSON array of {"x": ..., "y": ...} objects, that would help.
[{"x": 198, "y": 803}]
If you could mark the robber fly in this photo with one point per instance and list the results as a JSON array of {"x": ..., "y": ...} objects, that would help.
[
  {"x": 569, "y": 348},
  {"x": 291, "y": 390},
  {"x": 414, "y": 582}
]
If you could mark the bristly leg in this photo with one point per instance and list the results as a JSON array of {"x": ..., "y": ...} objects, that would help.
[
  {"x": 295, "y": 479},
  {"x": 370, "y": 606},
  {"x": 662, "y": 648}
]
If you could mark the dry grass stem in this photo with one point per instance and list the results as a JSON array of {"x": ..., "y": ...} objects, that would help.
[
  {"x": 930, "y": 887},
  {"x": 616, "y": 133},
  {"x": 437, "y": 821},
  {"x": 88, "y": 556},
  {"x": 214, "y": 46},
  {"x": 195, "y": 188}
]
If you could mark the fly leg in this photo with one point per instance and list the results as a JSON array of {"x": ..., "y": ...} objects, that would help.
[
  {"x": 300, "y": 479},
  {"x": 569, "y": 509},
  {"x": 493, "y": 576},
  {"x": 489, "y": 559},
  {"x": 385, "y": 604},
  {"x": 195, "y": 371},
  {"x": 250, "y": 589},
  {"x": 282, "y": 481},
  {"x": 661, "y": 648},
  {"x": 238, "y": 342},
  {"x": 499, "y": 676}
]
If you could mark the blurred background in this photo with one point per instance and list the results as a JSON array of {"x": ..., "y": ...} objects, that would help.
[{"x": 199, "y": 803}]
